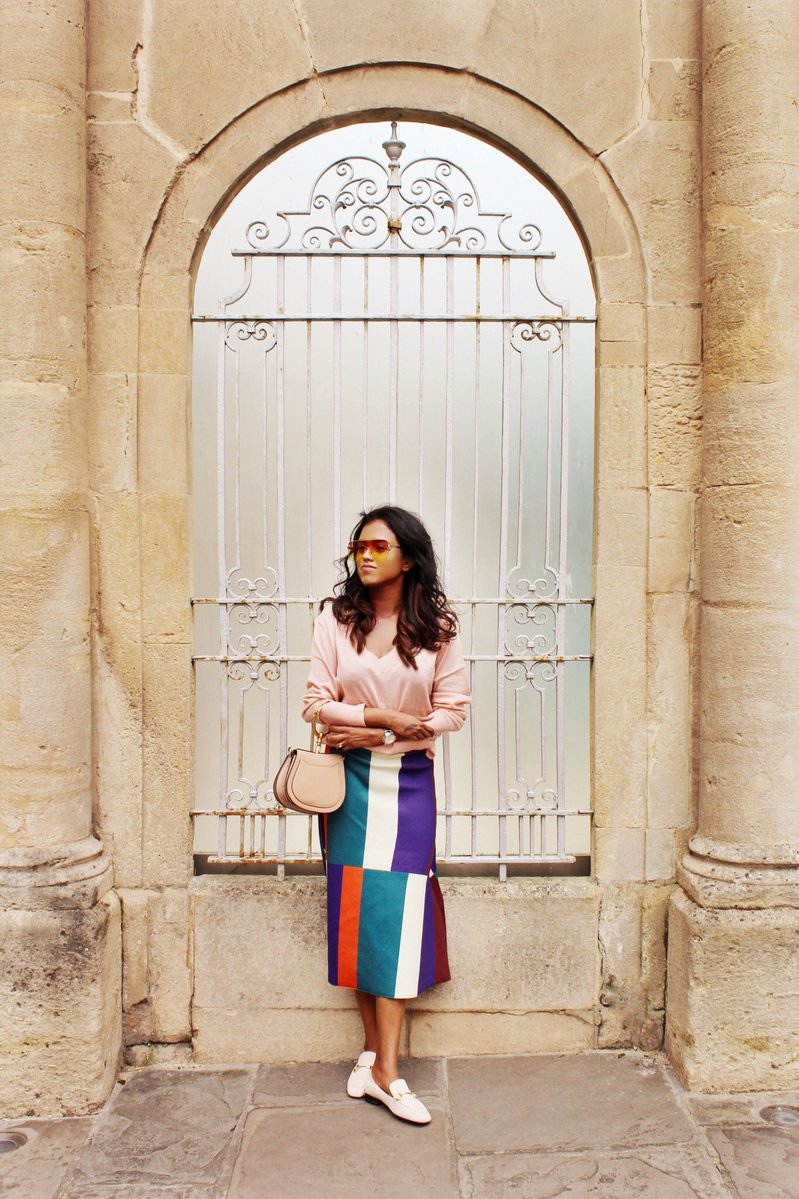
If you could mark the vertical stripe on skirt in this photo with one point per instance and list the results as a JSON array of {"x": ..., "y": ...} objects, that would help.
[{"x": 386, "y": 927}]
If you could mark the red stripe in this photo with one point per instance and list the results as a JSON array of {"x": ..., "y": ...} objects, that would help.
[
  {"x": 440, "y": 934},
  {"x": 349, "y": 920}
]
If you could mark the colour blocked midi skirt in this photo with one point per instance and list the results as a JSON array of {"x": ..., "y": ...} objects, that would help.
[{"x": 385, "y": 912}]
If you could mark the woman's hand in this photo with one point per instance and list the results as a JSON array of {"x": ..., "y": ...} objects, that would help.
[
  {"x": 351, "y": 737},
  {"x": 407, "y": 727}
]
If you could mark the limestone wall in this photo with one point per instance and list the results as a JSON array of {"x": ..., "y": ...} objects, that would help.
[
  {"x": 127, "y": 134},
  {"x": 185, "y": 100}
]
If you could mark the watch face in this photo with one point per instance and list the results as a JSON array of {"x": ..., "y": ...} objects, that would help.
[{"x": 389, "y": 737}]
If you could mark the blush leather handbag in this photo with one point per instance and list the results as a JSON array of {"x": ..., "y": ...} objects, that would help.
[{"x": 309, "y": 780}]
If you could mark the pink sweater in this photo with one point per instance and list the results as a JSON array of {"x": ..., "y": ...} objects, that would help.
[{"x": 437, "y": 691}]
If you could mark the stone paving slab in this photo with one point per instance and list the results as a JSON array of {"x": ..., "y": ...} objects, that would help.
[
  {"x": 664, "y": 1173},
  {"x": 326, "y": 1082},
  {"x": 166, "y": 1133},
  {"x": 762, "y": 1163},
  {"x": 35, "y": 1170},
  {"x": 342, "y": 1151},
  {"x": 581, "y": 1101}
]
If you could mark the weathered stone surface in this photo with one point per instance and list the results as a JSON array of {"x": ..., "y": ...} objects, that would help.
[
  {"x": 762, "y": 1163},
  {"x": 60, "y": 1033},
  {"x": 672, "y": 539},
  {"x": 168, "y": 793},
  {"x": 675, "y": 89},
  {"x": 632, "y": 939},
  {"x": 674, "y": 29},
  {"x": 241, "y": 55},
  {"x": 310, "y": 1084},
  {"x": 263, "y": 1034},
  {"x": 732, "y": 980},
  {"x": 450, "y": 1032},
  {"x": 35, "y": 1170},
  {"x": 365, "y": 1150},
  {"x": 630, "y": 1102},
  {"x": 167, "y": 1130},
  {"x": 621, "y": 425},
  {"x": 653, "y": 1173},
  {"x": 671, "y": 659},
  {"x": 675, "y": 425}
]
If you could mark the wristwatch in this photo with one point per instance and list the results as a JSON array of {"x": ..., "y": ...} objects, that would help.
[{"x": 389, "y": 737}]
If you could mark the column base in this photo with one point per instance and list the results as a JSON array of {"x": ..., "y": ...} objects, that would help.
[
  {"x": 60, "y": 980},
  {"x": 733, "y": 981}
]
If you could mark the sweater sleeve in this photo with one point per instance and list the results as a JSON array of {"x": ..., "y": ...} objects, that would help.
[
  {"x": 451, "y": 693},
  {"x": 322, "y": 686}
]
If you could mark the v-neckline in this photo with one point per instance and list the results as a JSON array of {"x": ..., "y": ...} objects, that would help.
[{"x": 380, "y": 657}]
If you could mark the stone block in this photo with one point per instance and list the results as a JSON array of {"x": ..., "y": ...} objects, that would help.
[
  {"x": 620, "y": 716},
  {"x": 619, "y": 853},
  {"x": 536, "y": 949},
  {"x": 60, "y": 1034},
  {"x": 41, "y": 259},
  {"x": 531, "y": 49},
  {"x": 674, "y": 29},
  {"x": 167, "y": 770},
  {"x": 113, "y": 340},
  {"x": 129, "y": 173},
  {"x": 240, "y": 54},
  {"x": 36, "y": 1169},
  {"x": 740, "y": 418},
  {"x": 674, "y": 335},
  {"x": 43, "y": 461},
  {"x": 261, "y": 1034},
  {"x": 41, "y": 126},
  {"x": 750, "y": 544},
  {"x": 758, "y": 1160},
  {"x": 632, "y": 943},
  {"x": 556, "y": 1093},
  {"x": 163, "y": 434},
  {"x": 733, "y": 977},
  {"x": 673, "y": 710},
  {"x": 672, "y": 540},
  {"x": 165, "y": 341},
  {"x": 657, "y": 1173},
  {"x": 170, "y": 964},
  {"x": 167, "y": 1131},
  {"x": 657, "y": 170},
  {"x": 474, "y": 1033},
  {"x": 117, "y": 686},
  {"x": 621, "y": 428},
  {"x": 135, "y": 947},
  {"x": 675, "y": 90},
  {"x": 357, "y": 1149},
  {"x": 622, "y": 519},
  {"x": 112, "y": 433},
  {"x": 675, "y": 425},
  {"x": 166, "y": 588},
  {"x": 114, "y": 29}
]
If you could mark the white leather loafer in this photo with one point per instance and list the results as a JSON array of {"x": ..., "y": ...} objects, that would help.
[
  {"x": 399, "y": 1099},
  {"x": 356, "y": 1083}
]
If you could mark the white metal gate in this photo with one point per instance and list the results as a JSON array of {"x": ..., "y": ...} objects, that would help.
[{"x": 391, "y": 341}]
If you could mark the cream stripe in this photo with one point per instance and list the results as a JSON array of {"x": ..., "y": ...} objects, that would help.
[
  {"x": 383, "y": 812},
  {"x": 410, "y": 950}
]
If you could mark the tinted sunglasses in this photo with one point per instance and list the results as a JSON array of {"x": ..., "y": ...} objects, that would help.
[{"x": 378, "y": 549}]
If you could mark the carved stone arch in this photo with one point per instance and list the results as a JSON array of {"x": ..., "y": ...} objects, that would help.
[{"x": 589, "y": 194}]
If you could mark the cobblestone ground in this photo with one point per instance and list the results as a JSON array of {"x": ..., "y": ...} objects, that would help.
[{"x": 591, "y": 1126}]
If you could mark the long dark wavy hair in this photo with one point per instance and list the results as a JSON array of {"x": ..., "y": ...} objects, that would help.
[{"x": 425, "y": 618}]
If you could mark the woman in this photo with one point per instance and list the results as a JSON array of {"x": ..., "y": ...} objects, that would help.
[{"x": 387, "y": 677}]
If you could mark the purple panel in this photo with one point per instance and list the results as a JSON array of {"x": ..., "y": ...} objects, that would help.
[{"x": 414, "y": 851}]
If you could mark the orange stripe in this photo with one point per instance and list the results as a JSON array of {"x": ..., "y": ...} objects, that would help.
[{"x": 349, "y": 919}]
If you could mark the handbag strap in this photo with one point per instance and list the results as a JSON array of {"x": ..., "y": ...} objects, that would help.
[{"x": 316, "y": 732}]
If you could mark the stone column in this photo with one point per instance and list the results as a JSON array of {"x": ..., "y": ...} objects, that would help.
[
  {"x": 59, "y": 923},
  {"x": 734, "y": 926}
]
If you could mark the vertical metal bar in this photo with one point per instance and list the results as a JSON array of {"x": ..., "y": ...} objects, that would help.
[
  {"x": 393, "y": 378},
  {"x": 281, "y": 536},
  {"x": 503, "y": 565},
  {"x": 448, "y": 390},
  {"x": 365, "y": 398},
  {"x": 421, "y": 384},
  {"x": 337, "y": 407},
  {"x": 309, "y": 420},
  {"x": 221, "y": 535},
  {"x": 237, "y": 456},
  {"x": 560, "y": 616},
  {"x": 475, "y": 541}
]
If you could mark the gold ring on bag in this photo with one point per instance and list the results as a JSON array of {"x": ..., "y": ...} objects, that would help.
[{"x": 309, "y": 780}]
